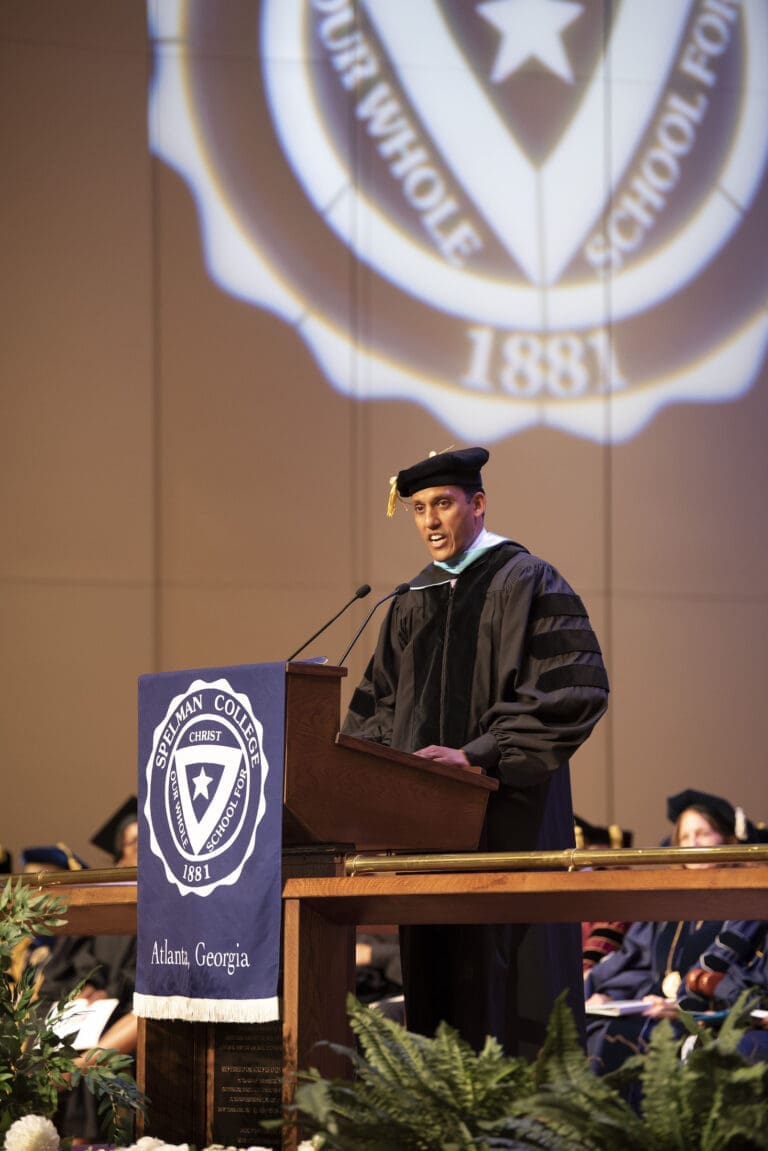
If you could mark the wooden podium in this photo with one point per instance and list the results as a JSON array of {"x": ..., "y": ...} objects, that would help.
[
  {"x": 348, "y": 791},
  {"x": 215, "y": 1083}
]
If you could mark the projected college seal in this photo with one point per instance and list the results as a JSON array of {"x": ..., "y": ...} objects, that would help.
[
  {"x": 555, "y": 211},
  {"x": 205, "y": 787}
]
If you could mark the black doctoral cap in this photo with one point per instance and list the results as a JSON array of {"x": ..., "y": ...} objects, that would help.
[
  {"x": 593, "y": 835},
  {"x": 109, "y": 836},
  {"x": 459, "y": 468},
  {"x": 732, "y": 818}
]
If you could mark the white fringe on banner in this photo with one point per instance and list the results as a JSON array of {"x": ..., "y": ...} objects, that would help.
[{"x": 206, "y": 1010}]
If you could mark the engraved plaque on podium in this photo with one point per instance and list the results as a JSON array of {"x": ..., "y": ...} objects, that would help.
[{"x": 246, "y": 1083}]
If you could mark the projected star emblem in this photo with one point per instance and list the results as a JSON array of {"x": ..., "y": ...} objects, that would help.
[
  {"x": 530, "y": 29},
  {"x": 538, "y": 196}
]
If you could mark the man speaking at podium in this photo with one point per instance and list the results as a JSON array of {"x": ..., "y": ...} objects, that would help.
[{"x": 489, "y": 660}]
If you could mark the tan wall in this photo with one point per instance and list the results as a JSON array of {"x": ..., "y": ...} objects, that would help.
[{"x": 181, "y": 487}]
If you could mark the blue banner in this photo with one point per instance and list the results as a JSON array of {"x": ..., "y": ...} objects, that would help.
[{"x": 211, "y": 748}]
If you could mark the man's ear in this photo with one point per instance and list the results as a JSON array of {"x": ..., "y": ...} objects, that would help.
[{"x": 478, "y": 503}]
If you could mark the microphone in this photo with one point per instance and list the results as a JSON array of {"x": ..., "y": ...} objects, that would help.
[
  {"x": 399, "y": 590},
  {"x": 361, "y": 593}
]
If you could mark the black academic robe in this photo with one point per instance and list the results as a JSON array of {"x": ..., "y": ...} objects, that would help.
[
  {"x": 109, "y": 963},
  {"x": 501, "y": 661}
]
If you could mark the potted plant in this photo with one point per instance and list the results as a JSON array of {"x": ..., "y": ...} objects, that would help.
[{"x": 418, "y": 1094}]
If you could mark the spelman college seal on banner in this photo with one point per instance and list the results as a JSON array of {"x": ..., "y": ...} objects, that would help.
[
  {"x": 211, "y": 748},
  {"x": 205, "y": 787},
  {"x": 555, "y": 211}
]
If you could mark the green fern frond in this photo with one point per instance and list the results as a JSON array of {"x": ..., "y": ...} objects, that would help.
[
  {"x": 391, "y": 1052},
  {"x": 658, "y": 1075},
  {"x": 589, "y": 1121},
  {"x": 572, "y": 1099},
  {"x": 562, "y": 1055},
  {"x": 413, "y": 1092},
  {"x": 743, "y": 1131},
  {"x": 524, "y": 1133},
  {"x": 444, "y": 1072},
  {"x": 700, "y": 1101}
]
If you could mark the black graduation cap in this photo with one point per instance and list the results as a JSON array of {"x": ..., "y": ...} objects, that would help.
[
  {"x": 592, "y": 835},
  {"x": 108, "y": 837},
  {"x": 56, "y": 855},
  {"x": 732, "y": 818},
  {"x": 459, "y": 468}
]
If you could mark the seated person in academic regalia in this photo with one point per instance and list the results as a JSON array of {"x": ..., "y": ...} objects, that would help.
[
  {"x": 36, "y": 951},
  {"x": 378, "y": 973},
  {"x": 737, "y": 962},
  {"x": 654, "y": 958},
  {"x": 602, "y": 937},
  {"x": 108, "y": 964},
  {"x": 753, "y": 976}
]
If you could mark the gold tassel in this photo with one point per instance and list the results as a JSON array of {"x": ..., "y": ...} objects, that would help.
[
  {"x": 72, "y": 862},
  {"x": 392, "y": 501}
]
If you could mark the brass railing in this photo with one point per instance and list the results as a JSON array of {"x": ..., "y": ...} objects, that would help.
[
  {"x": 570, "y": 859},
  {"x": 87, "y": 876}
]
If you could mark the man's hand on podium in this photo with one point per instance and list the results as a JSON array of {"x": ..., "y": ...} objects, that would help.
[{"x": 450, "y": 756}]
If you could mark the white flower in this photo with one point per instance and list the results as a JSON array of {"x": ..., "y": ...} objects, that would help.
[
  {"x": 32, "y": 1133},
  {"x": 305, "y": 1146},
  {"x": 147, "y": 1143}
]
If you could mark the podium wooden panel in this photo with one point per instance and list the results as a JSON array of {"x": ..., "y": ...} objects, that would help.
[{"x": 339, "y": 789}]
